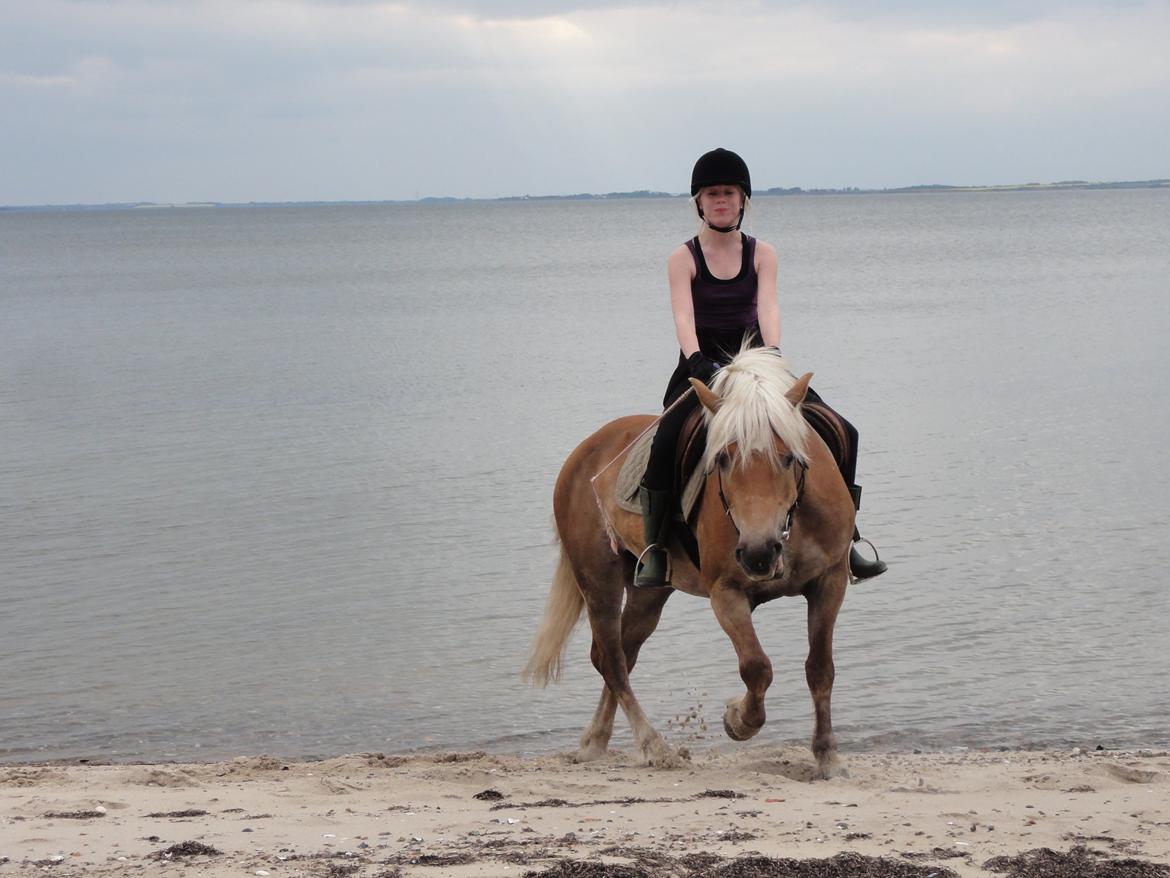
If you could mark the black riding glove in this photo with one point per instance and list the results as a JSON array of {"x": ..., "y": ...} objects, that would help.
[{"x": 702, "y": 367}]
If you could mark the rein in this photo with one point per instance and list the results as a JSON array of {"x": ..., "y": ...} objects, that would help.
[{"x": 787, "y": 532}]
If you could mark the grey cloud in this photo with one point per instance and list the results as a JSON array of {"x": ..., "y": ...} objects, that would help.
[
  {"x": 961, "y": 14},
  {"x": 503, "y": 8},
  {"x": 923, "y": 12},
  {"x": 109, "y": 100}
]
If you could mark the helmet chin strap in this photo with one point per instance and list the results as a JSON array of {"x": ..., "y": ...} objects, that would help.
[{"x": 722, "y": 229}]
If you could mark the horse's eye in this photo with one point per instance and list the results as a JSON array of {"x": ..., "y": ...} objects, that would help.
[
  {"x": 789, "y": 459},
  {"x": 723, "y": 460}
]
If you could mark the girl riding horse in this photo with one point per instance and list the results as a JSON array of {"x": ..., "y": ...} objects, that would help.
[{"x": 722, "y": 290}]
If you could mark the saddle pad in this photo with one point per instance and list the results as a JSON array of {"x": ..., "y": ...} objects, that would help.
[{"x": 634, "y": 467}]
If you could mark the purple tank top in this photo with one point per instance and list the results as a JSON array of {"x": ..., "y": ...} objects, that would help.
[{"x": 725, "y": 304}]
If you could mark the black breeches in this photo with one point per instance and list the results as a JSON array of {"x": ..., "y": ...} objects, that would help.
[{"x": 660, "y": 467}]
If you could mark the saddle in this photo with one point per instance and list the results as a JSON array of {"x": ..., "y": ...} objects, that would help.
[{"x": 830, "y": 426}]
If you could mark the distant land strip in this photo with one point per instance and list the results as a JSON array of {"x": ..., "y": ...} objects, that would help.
[{"x": 615, "y": 196}]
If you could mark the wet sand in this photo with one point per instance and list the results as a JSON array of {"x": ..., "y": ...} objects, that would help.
[{"x": 753, "y": 811}]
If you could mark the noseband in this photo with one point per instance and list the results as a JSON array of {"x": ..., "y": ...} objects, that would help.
[{"x": 791, "y": 509}]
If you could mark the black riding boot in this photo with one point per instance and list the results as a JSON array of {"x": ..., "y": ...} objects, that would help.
[
  {"x": 656, "y": 505},
  {"x": 860, "y": 567}
]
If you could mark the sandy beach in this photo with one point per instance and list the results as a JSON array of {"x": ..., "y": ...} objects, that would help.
[{"x": 753, "y": 811}]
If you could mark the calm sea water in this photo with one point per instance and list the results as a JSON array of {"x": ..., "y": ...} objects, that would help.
[{"x": 278, "y": 479}]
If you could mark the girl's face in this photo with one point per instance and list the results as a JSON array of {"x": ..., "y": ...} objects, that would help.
[{"x": 721, "y": 204}]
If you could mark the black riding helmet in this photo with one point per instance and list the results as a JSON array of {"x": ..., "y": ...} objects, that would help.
[{"x": 721, "y": 167}]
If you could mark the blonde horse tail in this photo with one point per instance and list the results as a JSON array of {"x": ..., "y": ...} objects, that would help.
[{"x": 561, "y": 612}]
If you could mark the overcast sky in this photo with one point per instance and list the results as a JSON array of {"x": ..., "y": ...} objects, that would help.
[{"x": 280, "y": 100}]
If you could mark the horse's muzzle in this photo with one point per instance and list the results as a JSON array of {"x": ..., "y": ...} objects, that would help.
[{"x": 761, "y": 561}]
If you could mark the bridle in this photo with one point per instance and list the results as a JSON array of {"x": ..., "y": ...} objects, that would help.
[{"x": 787, "y": 532}]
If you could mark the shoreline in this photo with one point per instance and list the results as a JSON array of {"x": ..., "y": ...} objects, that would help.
[
  {"x": 485, "y": 814},
  {"x": 637, "y": 194}
]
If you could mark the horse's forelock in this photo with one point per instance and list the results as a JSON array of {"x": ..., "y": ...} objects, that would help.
[{"x": 754, "y": 410}]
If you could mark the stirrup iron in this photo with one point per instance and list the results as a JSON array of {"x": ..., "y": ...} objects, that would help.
[
  {"x": 650, "y": 547},
  {"x": 877, "y": 560}
]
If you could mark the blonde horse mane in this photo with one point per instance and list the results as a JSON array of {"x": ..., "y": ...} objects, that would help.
[{"x": 754, "y": 410}]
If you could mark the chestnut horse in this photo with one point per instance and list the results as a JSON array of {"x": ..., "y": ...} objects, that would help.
[{"x": 775, "y": 519}]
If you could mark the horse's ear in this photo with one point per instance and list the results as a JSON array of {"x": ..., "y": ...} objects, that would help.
[
  {"x": 795, "y": 394},
  {"x": 707, "y": 396}
]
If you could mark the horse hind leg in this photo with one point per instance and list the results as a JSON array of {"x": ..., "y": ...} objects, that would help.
[
  {"x": 610, "y": 660},
  {"x": 640, "y": 618},
  {"x": 595, "y": 738}
]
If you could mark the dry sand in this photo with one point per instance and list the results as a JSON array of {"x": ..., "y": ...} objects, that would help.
[{"x": 731, "y": 814}]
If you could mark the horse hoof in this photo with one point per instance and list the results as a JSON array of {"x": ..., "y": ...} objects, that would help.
[
  {"x": 659, "y": 754},
  {"x": 589, "y": 754},
  {"x": 829, "y": 767},
  {"x": 734, "y": 725}
]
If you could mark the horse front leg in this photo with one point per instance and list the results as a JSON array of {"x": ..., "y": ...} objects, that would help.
[
  {"x": 744, "y": 716},
  {"x": 640, "y": 618},
  {"x": 824, "y": 601}
]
